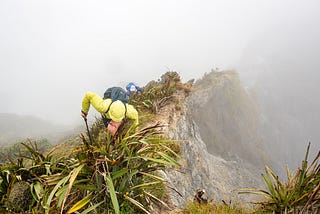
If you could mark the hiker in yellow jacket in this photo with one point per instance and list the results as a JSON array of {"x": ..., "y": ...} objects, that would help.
[{"x": 115, "y": 111}]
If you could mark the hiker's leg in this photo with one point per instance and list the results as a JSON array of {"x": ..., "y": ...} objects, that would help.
[
  {"x": 120, "y": 127},
  {"x": 113, "y": 127}
]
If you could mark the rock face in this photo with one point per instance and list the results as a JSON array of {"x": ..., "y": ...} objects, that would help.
[{"x": 220, "y": 142}]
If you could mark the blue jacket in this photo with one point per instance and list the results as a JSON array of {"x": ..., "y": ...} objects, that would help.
[{"x": 130, "y": 85}]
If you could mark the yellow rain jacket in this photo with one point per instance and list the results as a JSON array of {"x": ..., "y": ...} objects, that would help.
[{"x": 115, "y": 108}]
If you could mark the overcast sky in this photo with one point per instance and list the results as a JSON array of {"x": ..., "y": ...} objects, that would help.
[{"x": 52, "y": 52}]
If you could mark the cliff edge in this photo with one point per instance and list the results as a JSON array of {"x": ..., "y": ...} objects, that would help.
[{"x": 217, "y": 127}]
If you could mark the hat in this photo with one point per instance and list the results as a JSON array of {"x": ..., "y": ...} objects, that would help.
[
  {"x": 117, "y": 111},
  {"x": 133, "y": 88}
]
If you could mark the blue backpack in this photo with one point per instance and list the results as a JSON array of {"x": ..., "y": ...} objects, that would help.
[{"x": 116, "y": 93}]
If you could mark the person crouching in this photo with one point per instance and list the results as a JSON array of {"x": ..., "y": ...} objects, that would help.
[{"x": 114, "y": 111}]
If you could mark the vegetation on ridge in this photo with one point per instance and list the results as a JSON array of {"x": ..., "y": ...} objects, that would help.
[{"x": 103, "y": 175}]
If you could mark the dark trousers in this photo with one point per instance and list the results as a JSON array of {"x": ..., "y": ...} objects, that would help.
[{"x": 105, "y": 121}]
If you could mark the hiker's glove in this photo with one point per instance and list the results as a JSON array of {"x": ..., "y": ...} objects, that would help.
[{"x": 84, "y": 114}]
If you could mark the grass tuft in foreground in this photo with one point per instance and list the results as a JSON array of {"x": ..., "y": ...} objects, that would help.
[
  {"x": 299, "y": 194},
  {"x": 103, "y": 176},
  {"x": 222, "y": 208}
]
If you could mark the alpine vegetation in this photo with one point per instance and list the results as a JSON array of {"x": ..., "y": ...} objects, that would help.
[{"x": 101, "y": 174}]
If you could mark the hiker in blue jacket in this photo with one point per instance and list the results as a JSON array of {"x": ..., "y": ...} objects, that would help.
[{"x": 132, "y": 88}]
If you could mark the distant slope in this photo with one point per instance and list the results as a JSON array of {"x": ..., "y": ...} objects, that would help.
[{"x": 15, "y": 127}]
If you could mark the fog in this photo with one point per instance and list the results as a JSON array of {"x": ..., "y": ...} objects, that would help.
[{"x": 52, "y": 52}]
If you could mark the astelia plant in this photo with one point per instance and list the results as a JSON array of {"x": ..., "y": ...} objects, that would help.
[
  {"x": 299, "y": 194},
  {"x": 112, "y": 175},
  {"x": 108, "y": 175}
]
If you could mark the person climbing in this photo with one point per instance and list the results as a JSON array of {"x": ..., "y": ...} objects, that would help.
[
  {"x": 112, "y": 109},
  {"x": 132, "y": 88}
]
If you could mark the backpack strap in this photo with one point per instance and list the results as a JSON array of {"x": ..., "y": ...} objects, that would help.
[{"x": 109, "y": 106}]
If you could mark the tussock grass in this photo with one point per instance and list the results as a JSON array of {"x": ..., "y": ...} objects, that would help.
[
  {"x": 157, "y": 94},
  {"x": 221, "y": 208},
  {"x": 106, "y": 175},
  {"x": 299, "y": 194}
]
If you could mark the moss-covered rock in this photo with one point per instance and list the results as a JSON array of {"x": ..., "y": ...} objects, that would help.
[{"x": 20, "y": 197}]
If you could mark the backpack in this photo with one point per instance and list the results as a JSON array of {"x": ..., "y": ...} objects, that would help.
[{"x": 116, "y": 93}]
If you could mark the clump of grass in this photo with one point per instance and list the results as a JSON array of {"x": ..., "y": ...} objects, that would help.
[
  {"x": 186, "y": 87},
  {"x": 113, "y": 175},
  {"x": 157, "y": 94},
  {"x": 222, "y": 208},
  {"x": 299, "y": 194},
  {"x": 122, "y": 174},
  {"x": 27, "y": 168}
]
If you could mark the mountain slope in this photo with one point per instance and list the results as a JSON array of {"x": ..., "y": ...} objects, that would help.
[{"x": 15, "y": 127}]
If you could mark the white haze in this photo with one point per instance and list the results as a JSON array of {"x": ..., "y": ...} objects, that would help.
[{"x": 52, "y": 52}]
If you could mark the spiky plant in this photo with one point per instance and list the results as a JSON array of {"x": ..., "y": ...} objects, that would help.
[
  {"x": 112, "y": 175},
  {"x": 28, "y": 168},
  {"x": 156, "y": 94},
  {"x": 301, "y": 192},
  {"x": 107, "y": 175}
]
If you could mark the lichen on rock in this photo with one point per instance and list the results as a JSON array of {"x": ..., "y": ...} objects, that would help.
[{"x": 20, "y": 197}]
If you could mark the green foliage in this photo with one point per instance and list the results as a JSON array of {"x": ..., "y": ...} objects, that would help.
[
  {"x": 28, "y": 168},
  {"x": 301, "y": 192},
  {"x": 156, "y": 94},
  {"x": 118, "y": 172},
  {"x": 196, "y": 208},
  {"x": 115, "y": 175}
]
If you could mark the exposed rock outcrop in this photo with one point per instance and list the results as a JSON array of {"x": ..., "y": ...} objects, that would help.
[{"x": 219, "y": 135}]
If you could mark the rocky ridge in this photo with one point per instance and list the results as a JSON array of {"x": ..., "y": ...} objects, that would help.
[{"x": 220, "y": 175}]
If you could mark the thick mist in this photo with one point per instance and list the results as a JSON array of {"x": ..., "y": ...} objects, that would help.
[
  {"x": 285, "y": 62},
  {"x": 52, "y": 52}
]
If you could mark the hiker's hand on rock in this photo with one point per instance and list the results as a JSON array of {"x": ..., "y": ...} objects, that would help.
[{"x": 84, "y": 115}]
